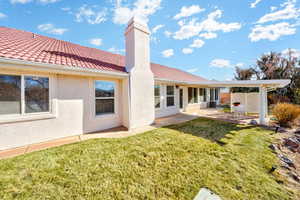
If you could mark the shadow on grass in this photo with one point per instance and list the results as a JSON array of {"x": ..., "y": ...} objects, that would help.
[{"x": 210, "y": 129}]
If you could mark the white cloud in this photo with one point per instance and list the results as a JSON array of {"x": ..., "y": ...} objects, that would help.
[
  {"x": 197, "y": 43},
  {"x": 66, "y": 9},
  {"x": 194, "y": 27},
  {"x": 294, "y": 52},
  {"x": 288, "y": 12},
  {"x": 20, "y": 1},
  {"x": 154, "y": 39},
  {"x": 253, "y": 5},
  {"x": 188, "y": 11},
  {"x": 187, "y": 50},
  {"x": 167, "y": 53},
  {"x": 193, "y": 70},
  {"x": 220, "y": 63},
  {"x": 271, "y": 32},
  {"x": 2, "y": 15},
  {"x": 115, "y": 50},
  {"x": 239, "y": 64},
  {"x": 168, "y": 34},
  {"x": 96, "y": 41},
  {"x": 91, "y": 14},
  {"x": 51, "y": 29},
  {"x": 142, "y": 9},
  {"x": 28, "y": 1},
  {"x": 273, "y": 8},
  {"x": 156, "y": 28},
  {"x": 208, "y": 35},
  {"x": 48, "y": 1}
]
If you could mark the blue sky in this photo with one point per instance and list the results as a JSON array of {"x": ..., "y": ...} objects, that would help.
[{"x": 205, "y": 37}]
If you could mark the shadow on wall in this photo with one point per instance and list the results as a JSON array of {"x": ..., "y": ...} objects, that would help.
[{"x": 213, "y": 130}]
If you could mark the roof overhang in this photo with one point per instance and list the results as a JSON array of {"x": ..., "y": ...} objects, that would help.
[
  {"x": 246, "y": 83},
  {"x": 54, "y": 68}
]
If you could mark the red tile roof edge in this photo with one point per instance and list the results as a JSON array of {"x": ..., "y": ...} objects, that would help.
[{"x": 32, "y": 47}]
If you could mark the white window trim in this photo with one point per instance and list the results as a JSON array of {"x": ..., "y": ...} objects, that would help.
[
  {"x": 95, "y": 98},
  {"x": 170, "y": 96},
  {"x": 23, "y": 116},
  {"x": 160, "y": 97},
  {"x": 201, "y": 98},
  {"x": 198, "y": 99}
]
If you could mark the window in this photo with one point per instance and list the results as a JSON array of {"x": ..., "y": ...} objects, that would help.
[
  {"x": 205, "y": 95},
  {"x": 195, "y": 95},
  {"x": 157, "y": 96},
  {"x": 170, "y": 96},
  {"x": 104, "y": 97},
  {"x": 34, "y": 89},
  {"x": 211, "y": 93},
  {"x": 36, "y": 94},
  {"x": 201, "y": 94},
  {"x": 216, "y": 94},
  {"x": 10, "y": 94},
  {"x": 192, "y": 95}
]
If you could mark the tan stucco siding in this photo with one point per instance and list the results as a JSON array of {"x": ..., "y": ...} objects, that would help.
[
  {"x": 72, "y": 112},
  {"x": 250, "y": 101},
  {"x": 164, "y": 110}
]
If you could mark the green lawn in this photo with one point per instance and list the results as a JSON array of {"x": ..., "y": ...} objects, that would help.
[{"x": 167, "y": 163}]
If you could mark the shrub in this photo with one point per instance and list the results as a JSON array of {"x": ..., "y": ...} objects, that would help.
[{"x": 286, "y": 113}]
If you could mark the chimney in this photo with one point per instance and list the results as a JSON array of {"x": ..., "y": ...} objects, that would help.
[{"x": 141, "y": 79}]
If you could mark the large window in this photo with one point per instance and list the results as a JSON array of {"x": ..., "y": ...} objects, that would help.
[
  {"x": 105, "y": 97},
  {"x": 214, "y": 94},
  {"x": 192, "y": 95},
  {"x": 157, "y": 96},
  {"x": 10, "y": 94},
  {"x": 36, "y": 94},
  {"x": 170, "y": 96},
  {"x": 201, "y": 94},
  {"x": 217, "y": 94},
  {"x": 34, "y": 89}
]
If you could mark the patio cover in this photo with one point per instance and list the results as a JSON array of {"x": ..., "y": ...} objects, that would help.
[{"x": 263, "y": 85}]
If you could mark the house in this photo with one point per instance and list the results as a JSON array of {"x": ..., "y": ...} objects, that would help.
[{"x": 53, "y": 89}]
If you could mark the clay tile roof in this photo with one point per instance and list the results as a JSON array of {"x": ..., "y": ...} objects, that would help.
[{"x": 22, "y": 45}]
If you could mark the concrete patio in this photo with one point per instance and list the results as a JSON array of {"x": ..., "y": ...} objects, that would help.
[{"x": 120, "y": 132}]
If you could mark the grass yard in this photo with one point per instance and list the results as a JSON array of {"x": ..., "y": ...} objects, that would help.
[{"x": 167, "y": 163}]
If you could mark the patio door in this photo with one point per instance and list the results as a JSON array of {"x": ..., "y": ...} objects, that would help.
[{"x": 181, "y": 98}]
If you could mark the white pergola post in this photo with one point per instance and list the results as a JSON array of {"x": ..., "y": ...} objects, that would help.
[{"x": 263, "y": 105}]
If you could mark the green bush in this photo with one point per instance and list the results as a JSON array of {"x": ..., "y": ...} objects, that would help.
[{"x": 286, "y": 113}]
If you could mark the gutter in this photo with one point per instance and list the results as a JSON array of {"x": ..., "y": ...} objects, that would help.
[
  {"x": 247, "y": 83},
  {"x": 61, "y": 68}
]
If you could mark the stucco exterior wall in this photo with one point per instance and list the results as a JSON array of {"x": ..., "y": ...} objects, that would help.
[
  {"x": 195, "y": 107},
  {"x": 250, "y": 101},
  {"x": 72, "y": 113},
  {"x": 141, "y": 79},
  {"x": 164, "y": 111}
]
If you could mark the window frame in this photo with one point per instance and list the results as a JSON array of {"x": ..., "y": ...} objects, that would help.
[
  {"x": 160, "y": 103},
  {"x": 167, "y": 95},
  {"x": 95, "y": 98},
  {"x": 22, "y": 99},
  {"x": 201, "y": 95},
  {"x": 23, "y": 116},
  {"x": 194, "y": 96},
  {"x": 217, "y": 94},
  {"x": 205, "y": 96},
  {"x": 23, "y": 93}
]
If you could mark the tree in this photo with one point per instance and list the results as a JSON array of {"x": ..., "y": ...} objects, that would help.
[
  {"x": 281, "y": 66},
  {"x": 243, "y": 74}
]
